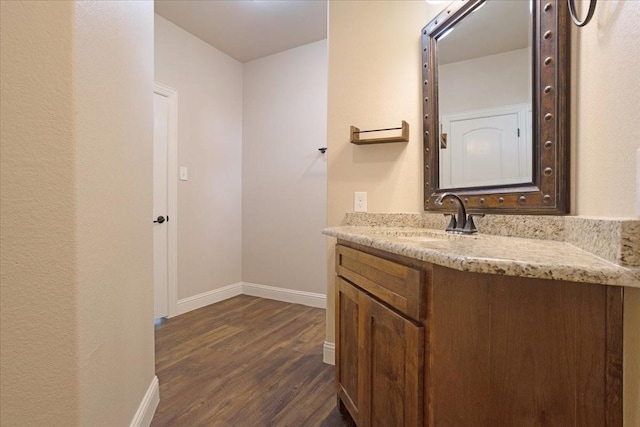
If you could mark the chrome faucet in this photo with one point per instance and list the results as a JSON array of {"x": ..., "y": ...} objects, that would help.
[{"x": 457, "y": 223}]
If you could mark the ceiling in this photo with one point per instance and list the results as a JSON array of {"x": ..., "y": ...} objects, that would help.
[
  {"x": 249, "y": 29},
  {"x": 496, "y": 27}
]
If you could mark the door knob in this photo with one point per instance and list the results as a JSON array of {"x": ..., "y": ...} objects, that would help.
[{"x": 160, "y": 220}]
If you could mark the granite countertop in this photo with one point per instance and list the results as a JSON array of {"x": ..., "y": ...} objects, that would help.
[{"x": 483, "y": 253}]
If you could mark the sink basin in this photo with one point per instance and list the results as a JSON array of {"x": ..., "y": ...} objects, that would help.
[
  {"x": 433, "y": 236},
  {"x": 422, "y": 238},
  {"x": 424, "y": 234}
]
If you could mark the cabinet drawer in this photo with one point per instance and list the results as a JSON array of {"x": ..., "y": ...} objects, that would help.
[{"x": 397, "y": 285}]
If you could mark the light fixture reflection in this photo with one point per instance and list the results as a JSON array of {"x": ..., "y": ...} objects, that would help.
[
  {"x": 446, "y": 33},
  {"x": 480, "y": 7}
]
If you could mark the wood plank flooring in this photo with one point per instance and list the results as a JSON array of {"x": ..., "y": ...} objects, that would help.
[{"x": 245, "y": 361}]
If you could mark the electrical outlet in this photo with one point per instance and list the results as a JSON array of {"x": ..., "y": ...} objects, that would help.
[{"x": 360, "y": 201}]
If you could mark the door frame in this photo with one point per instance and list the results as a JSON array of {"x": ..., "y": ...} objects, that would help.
[{"x": 172, "y": 196}]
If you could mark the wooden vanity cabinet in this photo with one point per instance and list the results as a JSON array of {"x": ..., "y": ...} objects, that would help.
[
  {"x": 473, "y": 349},
  {"x": 380, "y": 361},
  {"x": 380, "y": 340}
]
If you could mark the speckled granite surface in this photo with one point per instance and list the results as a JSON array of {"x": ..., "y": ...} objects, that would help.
[
  {"x": 630, "y": 243},
  {"x": 529, "y": 226},
  {"x": 615, "y": 240},
  {"x": 509, "y": 256},
  {"x": 393, "y": 219},
  {"x": 581, "y": 249},
  {"x": 526, "y": 226}
]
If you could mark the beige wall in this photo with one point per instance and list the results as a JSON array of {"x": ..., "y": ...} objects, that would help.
[
  {"x": 39, "y": 327},
  {"x": 606, "y": 115},
  {"x": 284, "y": 187},
  {"x": 374, "y": 81},
  {"x": 209, "y": 85},
  {"x": 77, "y": 315},
  {"x": 606, "y": 136}
]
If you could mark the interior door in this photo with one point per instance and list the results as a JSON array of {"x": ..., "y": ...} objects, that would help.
[
  {"x": 486, "y": 151},
  {"x": 160, "y": 205},
  {"x": 487, "y": 147}
]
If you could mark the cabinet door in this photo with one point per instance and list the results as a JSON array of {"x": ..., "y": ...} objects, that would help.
[
  {"x": 511, "y": 351},
  {"x": 349, "y": 336},
  {"x": 393, "y": 363}
]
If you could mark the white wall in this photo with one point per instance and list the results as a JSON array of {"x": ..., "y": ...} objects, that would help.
[
  {"x": 114, "y": 123},
  {"x": 77, "y": 311},
  {"x": 209, "y": 85},
  {"x": 255, "y": 202},
  {"x": 284, "y": 174},
  {"x": 486, "y": 82}
]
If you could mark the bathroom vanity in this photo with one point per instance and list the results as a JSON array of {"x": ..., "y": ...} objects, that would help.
[
  {"x": 434, "y": 329},
  {"x": 521, "y": 325}
]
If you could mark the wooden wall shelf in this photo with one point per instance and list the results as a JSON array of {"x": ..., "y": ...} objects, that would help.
[{"x": 404, "y": 137}]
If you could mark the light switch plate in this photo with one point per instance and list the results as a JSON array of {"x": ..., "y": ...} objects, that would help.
[{"x": 184, "y": 173}]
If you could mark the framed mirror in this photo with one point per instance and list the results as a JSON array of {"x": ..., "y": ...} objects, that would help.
[{"x": 496, "y": 106}]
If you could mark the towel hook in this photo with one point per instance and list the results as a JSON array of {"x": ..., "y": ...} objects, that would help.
[{"x": 574, "y": 16}]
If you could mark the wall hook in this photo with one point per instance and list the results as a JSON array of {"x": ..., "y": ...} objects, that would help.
[
  {"x": 322, "y": 150},
  {"x": 574, "y": 16}
]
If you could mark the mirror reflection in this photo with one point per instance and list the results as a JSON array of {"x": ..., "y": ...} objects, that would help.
[{"x": 485, "y": 97}]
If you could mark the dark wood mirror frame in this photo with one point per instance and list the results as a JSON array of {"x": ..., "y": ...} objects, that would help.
[{"x": 548, "y": 191}]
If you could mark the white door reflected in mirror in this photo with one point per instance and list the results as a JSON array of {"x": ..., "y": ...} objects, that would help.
[
  {"x": 490, "y": 147},
  {"x": 485, "y": 97}
]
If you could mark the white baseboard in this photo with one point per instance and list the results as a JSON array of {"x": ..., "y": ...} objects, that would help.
[
  {"x": 286, "y": 295},
  {"x": 329, "y": 353},
  {"x": 206, "y": 298},
  {"x": 245, "y": 288},
  {"x": 148, "y": 405}
]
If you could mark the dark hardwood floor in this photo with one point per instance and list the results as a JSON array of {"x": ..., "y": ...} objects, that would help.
[{"x": 245, "y": 361}]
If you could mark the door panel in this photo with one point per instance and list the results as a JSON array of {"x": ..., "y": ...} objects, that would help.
[
  {"x": 347, "y": 367},
  {"x": 396, "y": 363},
  {"x": 517, "y": 352}
]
